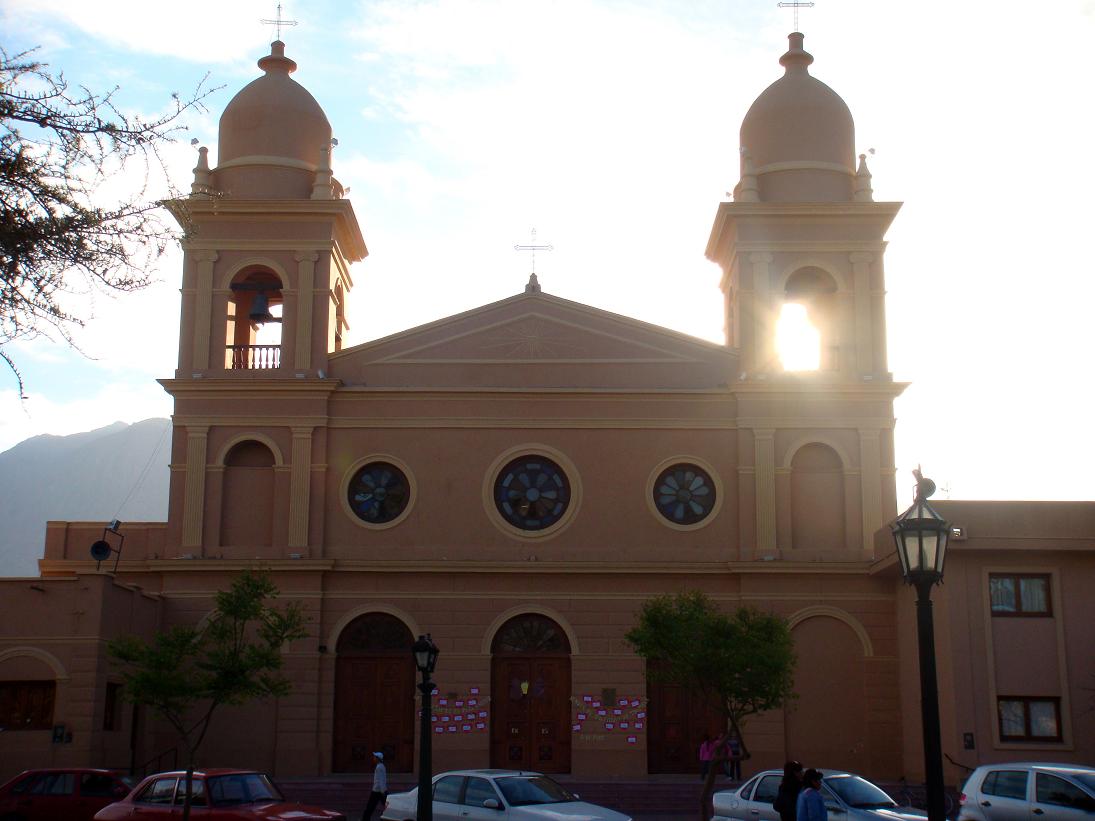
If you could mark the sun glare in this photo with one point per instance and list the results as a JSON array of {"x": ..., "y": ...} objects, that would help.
[{"x": 797, "y": 340}]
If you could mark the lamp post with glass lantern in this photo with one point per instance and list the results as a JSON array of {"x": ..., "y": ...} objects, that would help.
[
  {"x": 425, "y": 659},
  {"x": 921, "y": 534}
]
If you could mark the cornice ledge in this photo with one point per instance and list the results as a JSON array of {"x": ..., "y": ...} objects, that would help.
[
  {"x": 819, "y": 209},
  {"x": 218, "y": 384},
  {"x": 872, "y": 388}
]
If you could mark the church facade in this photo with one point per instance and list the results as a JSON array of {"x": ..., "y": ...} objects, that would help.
[{"x": 517, "y": 480}]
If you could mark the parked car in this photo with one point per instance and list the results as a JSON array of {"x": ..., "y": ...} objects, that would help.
[
  {"x": 497, "y": 795},
  {"x": 848, "y": 797},
  {"x": 216, "y": 795},
  {"x": 60, "y": 794},
  {"x": 1002, "y": 792}
]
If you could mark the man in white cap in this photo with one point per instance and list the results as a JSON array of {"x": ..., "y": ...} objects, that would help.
[{"x": 380, "y": 786}]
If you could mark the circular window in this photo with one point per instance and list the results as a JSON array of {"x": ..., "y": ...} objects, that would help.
[
  {"x": 532, "y": 492},
  {"x": 378, "y": 493},
  {"x": 684, "y": 494}
]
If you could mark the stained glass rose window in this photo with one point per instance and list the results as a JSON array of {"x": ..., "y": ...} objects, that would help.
[
  {"x": 379, "y": 492},
  {"x": 684, "y": 494},
  {"x": 532, "y": 492}
]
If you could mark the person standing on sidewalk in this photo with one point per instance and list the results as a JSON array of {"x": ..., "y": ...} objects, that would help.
[
  {"x": 786, "y": 803},
  {"x": 811, "y": 806},
  {"x": 380, "y": 787},
  {"x": 707, "y": 753}
]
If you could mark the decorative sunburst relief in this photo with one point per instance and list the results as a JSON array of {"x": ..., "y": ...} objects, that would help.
[
  {"x": 594, "y": 718},
  {"x": 530, "y": 339}
]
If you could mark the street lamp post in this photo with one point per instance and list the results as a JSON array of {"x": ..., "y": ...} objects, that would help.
[
  {"x": 921, "y": 534},
  {"x": 425, "y": 659}
]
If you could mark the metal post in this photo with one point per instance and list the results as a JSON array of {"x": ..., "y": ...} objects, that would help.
[
  {"x": 929, "y": 704},
  {"x": 425, "y": 742}
]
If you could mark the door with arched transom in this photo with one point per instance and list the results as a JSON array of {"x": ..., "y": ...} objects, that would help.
[
  {"x": 374, "y": 695},
  {"x": 530, "y": 696}
]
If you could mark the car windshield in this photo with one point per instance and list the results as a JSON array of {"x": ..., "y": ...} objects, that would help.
[
  {"x": 522, "y": 790},
  {"x": 858, "y": 792},
  {"x": 242, "y": 788}
]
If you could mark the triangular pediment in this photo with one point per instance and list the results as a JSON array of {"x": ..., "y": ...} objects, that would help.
[{"x": 537, "y": 340}]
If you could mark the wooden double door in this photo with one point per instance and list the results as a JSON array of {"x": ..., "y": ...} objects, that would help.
[
  {"x": 530, "y": 713},
  {"x": 677, "y": 720},
  {"x": 374, "y": 711}
]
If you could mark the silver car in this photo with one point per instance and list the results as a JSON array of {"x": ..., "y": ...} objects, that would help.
[
  {"x": 1028, "y": 791},
  {"x": 497, "y": 795},
  {"x": 848, "y": 797}
]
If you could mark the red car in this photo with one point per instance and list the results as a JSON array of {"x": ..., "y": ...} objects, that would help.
[
  {"x": 216, "y": 795},
  {"x": 59, "y": 794}
]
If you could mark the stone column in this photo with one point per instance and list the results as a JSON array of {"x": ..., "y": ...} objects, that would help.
[
  {"x": 765, "y": 454},
  {"x": 870, "y": 482},
  {"x": 861, "y": 277},
  {"x": 203, "y": 309},
  {"x": 197, "y": 443},
  {"x": 306, "y": 274},
  {"x": 299, "y": 487}
]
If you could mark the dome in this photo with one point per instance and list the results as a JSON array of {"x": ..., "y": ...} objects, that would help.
[
  {"x": 272, "y": 134},
  {"x": 799, "y": 136}
]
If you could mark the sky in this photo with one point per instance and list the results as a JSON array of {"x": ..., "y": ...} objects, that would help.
[{"x": 611, "y": 127}]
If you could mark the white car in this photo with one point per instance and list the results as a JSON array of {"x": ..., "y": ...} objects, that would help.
[
  {"x": 497, "y": 795},
  {"x": 1014, "y": 789},
  {"x": 848, "y": 797}
]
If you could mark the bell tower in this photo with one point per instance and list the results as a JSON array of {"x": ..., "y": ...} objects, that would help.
[
  {"x": 269, "y": 239},
  {"x": 801, "y": 247},
  {"x": 268, "y": 243}
]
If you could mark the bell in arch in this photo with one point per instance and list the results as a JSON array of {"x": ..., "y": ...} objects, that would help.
[{"x": 260, "y": 309}]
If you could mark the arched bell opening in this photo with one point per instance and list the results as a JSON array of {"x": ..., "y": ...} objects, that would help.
[
  {"x": 530, "y": 695},
  {"x": 807, "y": 329},
  {"x": 254, "y": 321},
  {"x": 374, "y": 695}
]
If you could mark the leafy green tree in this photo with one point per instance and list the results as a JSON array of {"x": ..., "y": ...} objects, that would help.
[
  {"x": 61, "y": 233},
  {"x": 742, "y": 663},
  {"x": 186, "y": 673}
]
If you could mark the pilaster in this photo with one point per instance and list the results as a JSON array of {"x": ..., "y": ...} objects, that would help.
[
  {"x": 299, "y": 486},
  {"x": 197, "y": 443},
  {"x": 870, "y": 482},
  {"x": 760, "y": 315},
  {"x": 861, "y": 277},
  {"x": 203, "y": 313},
  {"x": 765, "y": 454},
  {"x": 306, "y": 274}
]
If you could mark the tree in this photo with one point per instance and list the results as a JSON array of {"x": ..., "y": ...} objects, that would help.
[
  {"x": 60, "y": 233},
  {"x": 741, "y": 662},
  {"x": 184, "y": 674}
]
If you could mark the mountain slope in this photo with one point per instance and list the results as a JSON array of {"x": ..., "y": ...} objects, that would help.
[{"x": 120, "y": 471}]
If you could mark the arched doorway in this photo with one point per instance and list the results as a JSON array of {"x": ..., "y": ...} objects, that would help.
[
  {"x": 530, "y": 696},
  {"x": 374, "y": 695}
]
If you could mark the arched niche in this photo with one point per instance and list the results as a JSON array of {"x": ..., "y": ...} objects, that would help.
[
  {"x": 247, "y": 495},
  {"x": 818, "y": 515}
]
